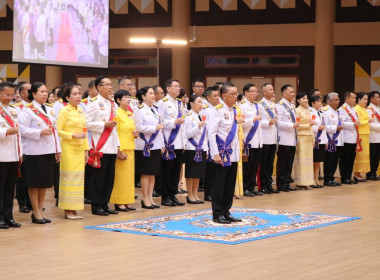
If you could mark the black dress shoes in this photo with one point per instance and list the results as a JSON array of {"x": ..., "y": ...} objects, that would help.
[
  {"x": 359, "y": 180},
  {"x": 37, "y": 221},
  {"x": 291, "y": 180},
  {"x": 24, "y": 209},
  {"x": 267, "y": 191},
  {"x": 110, "y": 211},
  {"x": 47, "y": 221},
  {"x": 336, "y": 183},
  {"x": 167, "y": 202},
  {"x": 329, "y": 183},
  {"x": 177, "y": 202},
  {"x": 291, "y": 188},
  {"x": 87, "y": 201},
  {"x": 155, "y": 205},
  {"x": 117, "y": 208},
  {"x": 99, "y": 212},
  {"x": 3, "y": 225},
  {"x": 347, "y": 182},
  {"x": 283, "y": 188},
  {"x": 12, "y": 223},
  {"x": 249, "y": 193},
  {"x": 257, "y": 193},
  {"x": 156, "y": 194},
  {"x": 191, "y": 201},
  {"x": 274, "y": 190},
  {"x": 221, "y": 220},
  {"x": 143, "y": 205},
  {"x": 207, "y": 198},
  {"x": 130, "y": 208},
  {"x": 232, "y": 219},
  {"x": 200, "y": 201}
]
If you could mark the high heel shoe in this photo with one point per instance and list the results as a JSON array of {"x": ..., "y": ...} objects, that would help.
[
  {"x": 359, "y": 180},
  {"x": 200, "y": 201},
  {"x": 155, "y": 205},
  {"x": 117, "y": 208},
  {"x": 46, "y": 220},
  {"x": 191, "y": 201},
  {"x": 37, "y": 221},
  {"x": 70, "y": 217},
  {"x": 146, "y": 207}
]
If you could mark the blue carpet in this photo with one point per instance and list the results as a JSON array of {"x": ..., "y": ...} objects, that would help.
[{"x": 198, "y": 225}]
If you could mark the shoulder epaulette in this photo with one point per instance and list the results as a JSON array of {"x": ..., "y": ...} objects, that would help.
[
  {"x": 133, "y": 97},
  {"x": 189, "y": 113},
  {"x": 18, "y": 104},
  {"x": 84, "y": 100},
  {"x": 242, "y": 102},
  {"x": 235, "y": 106},
  {"x": 255, "y": 102},
  {"x": 205, "y": 106},
  {"x": 179, "y": 99},
  {"x": 220, "y": 105},
  {"x": 281, "y": 102},
  {"x": 344, "y": 106},
  {"x": 325, "y": 108},
  {"x": 140, "y": 106},
  {"x": 48, "y": 104},
  {"x": 203, "y": 98},
  {"x": 93, "y": 99},
  {"x": 261, "y": 101},
  {"x": 12, "y": 105},
  {"x": 29, "y": 104},
  {"x": 370, "y": 107},
  {"x": 60, "y": 100},
  {"x": 165, "y": 99}
]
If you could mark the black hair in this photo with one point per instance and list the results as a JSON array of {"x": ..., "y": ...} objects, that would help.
[
  {"x": 155, "y": 87},
  {"x": 360, "y": 95},
  {"x": 33, "y": 89},
  {"x": 300, "y": 95},
  {"x": 197, "y": 80},
  {"x": 240, "y": 97},
  {"x": 59, "y": 93},
  {"x": 347, "y": 94},
  {"x": 247, "y": 87},
  {"x": 225, "y": 88},
  {"x": 85, "y": 94},
  {"x": 91, "y": 84},
  {"x": 98, "y": 80},
  {"x": 264, "y": 85},
  {"x": 284, "y": 87},
  {"x": 66, "y": 91},
  {"x": 142, "y": 92},
  {"x": 119, "y": 95},
  {"x": 372, "y": 95},
  {"x": 219, "y": 84},
  {"x": 192, "y": 98},
  {"x": 54, "y": 89},
  {"x": 20, "y": 86},
  {"x": 182, "y": 93},
  {"x": 121, "y": 79},
  {"x": 209, "y": 90},
  {"x": 5, "y": 84},
  {"x": 169, "y": 83},
  {"x": 313, "y": 99},
  {"x": 311, "y": 92}
]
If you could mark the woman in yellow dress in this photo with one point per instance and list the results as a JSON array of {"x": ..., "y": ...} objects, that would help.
[
  {"x": 123, "y": 193},
  {"x": 303, "y": 162},
  {"x": 239, "y": 191},
  {"x": 71, "y": 126},
  {"x": 362, "y": 158}
]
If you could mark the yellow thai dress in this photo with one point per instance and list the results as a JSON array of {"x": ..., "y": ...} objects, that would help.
[
  {"x": 362, "y": 163},
  {"x": 303, "y": 161},
  {"x": 239, "y": 191},
  {"x": 124, "y": 186},
  {"x": 71, "y": 181}
]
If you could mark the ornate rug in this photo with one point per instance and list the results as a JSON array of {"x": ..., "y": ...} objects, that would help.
[{"x": 198, "y": 225}]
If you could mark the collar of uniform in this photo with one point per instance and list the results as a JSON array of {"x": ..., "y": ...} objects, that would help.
[
  {"x": 194, "y": 112},
  {"x": 373, "y": 106},
  {"x": 224, "y": 104},
  {"x": 267, "y": 100},
  {"x": 313, "y": 109},
  {"x": 37, "y": 105},
  {"x": 24, "y": 102},
  {"x": 172, "y": 99},
  {"x": 290, "y": 104},
  {"x": 101, "y": 98},
  {"x": 71, "y": 106},
  {"x": 348, "y": 106},
  {"x": 4, "y": 106},
  {"x": 146, "y": 106}
]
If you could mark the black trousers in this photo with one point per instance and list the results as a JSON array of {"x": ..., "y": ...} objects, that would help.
[
  {"x": 374, "y": 157},
  {"x": 268, "y": 153},
  {"x": 170, "y": 171},
  {"x": 347, "y": 160},
  {"x": 250, "y": 169},
  {"x": 223, "y": 189},
  {"x": 87, "y": 179},
  {"x": 8, "y": 174},
  {"x": 57, "y": 173},
  {"x": 331, "y": 163},
  {"x": 285, "y": 158},
  {"x": 22, "y": 195},
  {"x": 209, "y": 180},
  {"x": 101, "y": 182}
]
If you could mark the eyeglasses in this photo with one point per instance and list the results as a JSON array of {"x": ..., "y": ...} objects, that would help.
[
  {"x": 107, "y": 85},
  {"x": 199, "y": 86},
  {"x": 177, "y": 86},
  {"x": 252, "y": 91},
  {"x": 128, "y": 85}
]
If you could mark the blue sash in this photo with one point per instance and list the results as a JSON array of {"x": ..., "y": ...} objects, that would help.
[
  {"x": 224, "y": 148},
  {"x": 317, "y": 138},
  {"x": 290, "y": 112},
  {"x": 148, "y": 144},
  {"x": 169, "y": 153},
  {"x": 268, "y": 110},
  {"x": 198, "y": 147},
  {"x": 251, "y": 133},
  {"x": 332, "y": 142}
]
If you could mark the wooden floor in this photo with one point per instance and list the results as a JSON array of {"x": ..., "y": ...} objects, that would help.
[{"x": 65, "y": 250}]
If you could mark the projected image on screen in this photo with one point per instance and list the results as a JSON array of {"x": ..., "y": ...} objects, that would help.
[{"x": 64, "y": 32}]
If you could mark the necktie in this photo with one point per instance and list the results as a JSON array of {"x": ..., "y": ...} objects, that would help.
[
  {"x": 199, "y": 117},
  {"x": 153, "y": 111},
  {"x": 43, "y": 108}
]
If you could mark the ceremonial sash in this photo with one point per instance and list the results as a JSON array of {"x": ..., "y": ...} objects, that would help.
[
  {"x": 10, "y": 122},
  {"x": 251, "y": 133},
  {"x": 94, "y": 154},
  {"x": 317, "y": 138},
  {"x": 148, "y": 144},
  {"x": 224, "y": 148},
  {"x": 169, "y": 153},
  {"x": 46, "y": 120},
  {"x": 332, "y": 142},
  {"x": 268, "y": 110},
  {"x": 375, "y": 113},
  {"x": 198, "y": 147},
  {"x": 358, "y": 140},
  {"x": 290, "y": 112}
]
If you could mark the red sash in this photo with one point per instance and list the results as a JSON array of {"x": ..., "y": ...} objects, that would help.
[
  {"x": 375, "y": 113},
  {"x": 46, "y": 120},
  {"x": 358, "y": 140},
  {"x": 10, "y": 122},
  {"x": 94, "y": 154}
]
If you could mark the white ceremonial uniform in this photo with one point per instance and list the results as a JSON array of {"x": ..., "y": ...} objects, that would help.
[
  {"x": 206, "y": 111},
  {"x": 57, "y": 106},
  {"x": 9, "y": 143},
  {"x": 220, "y": 124},
  {"x": 193, "y": 131},
  {"x": 269, "y": 131},
  {"x": 350, "y": 135},
  {"x": 331, "y": 121},
  {"x": 146, "y": 122},
  {"x": 286, "y": 131},
  {"x": 98, "y": 112},
  {"x": 318, "y": 120},
  {"x": 31, "y": 126},
  {"x": 168, "y": 109},
  {"x": 134, "y": 103},
  {"x": 19, "y": 107},
  {"x": 374, "y": 136},
  {"x": 249, "y": 110}
]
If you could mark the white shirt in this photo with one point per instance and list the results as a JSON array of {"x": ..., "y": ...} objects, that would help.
[
  {"x": 249, "y": 110},
  {"x": 146, "y": 122},
  {"x": 19, "y": 107},
  {"x": 374, "y": 135},
  {"x": 9, "y": 144},
  {"x": 98, "y": 112},
  {"x": 221, "y": 120},
  {"x": 331, "y": 118},
  {"x": 269, "y": 131},
  {"x": 350, "y": 134},
  {"x": 31, "y": 126},
  {"x": 318, "y": 119},
  {"x": 286, "y": 131},
  {"x": 168, "y": 109},
  {"x": 193, "y": 131}
]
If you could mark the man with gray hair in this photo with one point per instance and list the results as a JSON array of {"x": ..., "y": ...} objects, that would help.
[{"x": 334, "y": 129}]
